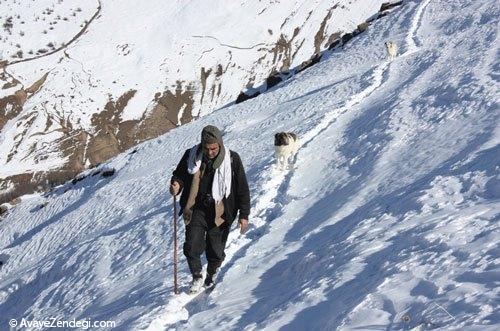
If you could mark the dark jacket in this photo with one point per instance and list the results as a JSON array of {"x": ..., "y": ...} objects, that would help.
[{"x": 238, "y": 199}]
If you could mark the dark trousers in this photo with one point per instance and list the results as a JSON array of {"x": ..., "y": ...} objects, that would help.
[{"x": 203, "y": 235}]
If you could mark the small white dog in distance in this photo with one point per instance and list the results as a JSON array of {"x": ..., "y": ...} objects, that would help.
[
  {"x": 392, "y": 49},
  {"x": 286, "y": 145}
]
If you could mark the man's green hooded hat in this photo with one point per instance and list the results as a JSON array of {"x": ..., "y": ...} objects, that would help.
[{"x": 211, "y": 135}]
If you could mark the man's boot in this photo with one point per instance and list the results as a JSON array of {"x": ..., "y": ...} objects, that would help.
[
  {"x": 196, "y": 284},
  {"x": 210, "y": 279}
]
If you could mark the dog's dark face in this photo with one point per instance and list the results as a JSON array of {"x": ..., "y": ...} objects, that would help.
[
  {"x": 389, "y": 44},
  {"x": 284, "y": 138}
]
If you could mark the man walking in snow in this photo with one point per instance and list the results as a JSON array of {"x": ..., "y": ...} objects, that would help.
[{"x": 214, "y": 188}]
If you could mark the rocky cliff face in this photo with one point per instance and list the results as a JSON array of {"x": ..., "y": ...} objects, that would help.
[{"x": 83, "y": 81}]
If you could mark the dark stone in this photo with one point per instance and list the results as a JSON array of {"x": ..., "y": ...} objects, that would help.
[
  {"x": 347, "y": 37},
  {"x": 244, "y": 97},
  {"x": 382, "y": 14},
  {"x": 273, "y": 80},
  {"x": 3, "y": 259},
  {"x": 334, "y": 44},
  {"x": 3, "y": 210},
  {"x": 388, "y": 5},
  {"x": 108, "y": 172},
  {"x": 309, "y": 63},
  {"x": 77, "y": 179},
  {"x": 363, "y": 26}
]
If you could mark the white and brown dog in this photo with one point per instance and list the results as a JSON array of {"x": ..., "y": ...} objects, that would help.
[
  {"x": 286, "y": 145},
  {"x": 392, "y": 49}
]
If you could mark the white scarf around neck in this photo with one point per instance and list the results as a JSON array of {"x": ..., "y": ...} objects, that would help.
[{"x": 221, "y": 186}]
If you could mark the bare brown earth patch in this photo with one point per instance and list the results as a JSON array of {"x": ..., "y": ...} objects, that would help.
[
  {"x": 12, "y": 105},
  {"x": 27, "y": 183},
  {"x": 111, "y": 136},
  {"x": 205, "y": 73},
  {"x": 104, "y": 143},
  {"x": 320, "y": 36}
]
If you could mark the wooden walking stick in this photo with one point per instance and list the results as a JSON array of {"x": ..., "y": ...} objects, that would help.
[{"x": 176, "y": 290}]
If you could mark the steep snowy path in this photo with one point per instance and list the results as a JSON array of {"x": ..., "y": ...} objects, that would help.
[
  {"x": 296, "y": 208},
  {"x": 389, "y": 219},
  {"x": 288, "y": 192}
]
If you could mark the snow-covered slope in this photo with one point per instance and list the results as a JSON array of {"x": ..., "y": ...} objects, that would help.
[
  {"x": 85, "y": 80},
  {"x": 389, "y": 219}
]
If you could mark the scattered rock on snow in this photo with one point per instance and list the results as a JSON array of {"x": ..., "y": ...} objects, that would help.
[
  {"x": 108, "y": 172},
  {"x": 15, "y": 201},
  {"x": 3, "y": 210}
]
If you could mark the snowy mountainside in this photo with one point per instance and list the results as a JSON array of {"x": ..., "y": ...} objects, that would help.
[
  {"x": 85, "y": 80},
  {"x": 389, "y": 219}
]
